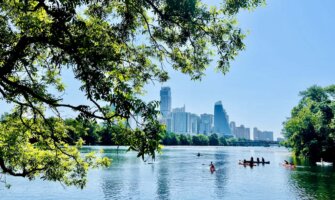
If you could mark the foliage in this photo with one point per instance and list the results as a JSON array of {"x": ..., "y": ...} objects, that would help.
[
  {"x": 185, "y": 139},
  {"x": 213, "y": 140},
  {"x": 310, "y": 130},
  {"x": 200, "y": 140},
  {"x": 29, "y": 149},
  {"x": 171, "y": 139},
  {"x": 223, "y": 141},
  {"x": 113, "y": 48}
]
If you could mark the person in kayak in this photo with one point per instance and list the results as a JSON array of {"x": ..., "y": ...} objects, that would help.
[
  {"x": 251, "y": 160},
  {"x": 212, "y": 167}
]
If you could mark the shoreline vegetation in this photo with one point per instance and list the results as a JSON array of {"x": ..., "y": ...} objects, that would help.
[
  {"x": 310, "y": 130},
  {"x": 94, "y": 133}
]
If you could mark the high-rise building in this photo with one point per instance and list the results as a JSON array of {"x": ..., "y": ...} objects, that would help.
[
  {"x": 168, "y": 122},
  {"x": 232, "y": 126},
  {"x": 194, "y": 120},
  {"x": 263, "y": 135},
  {"x": 242, "y": 132},
  {"x": 206, "y": 124},
  {"x": 181, "y": 121},
  {"x": 221, "y": 125},
  {"x": 165, "y": 103}
]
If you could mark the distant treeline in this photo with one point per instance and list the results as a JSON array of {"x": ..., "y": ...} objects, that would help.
[
  {"x": 203, "y": 140},
  {"x": 94, "y": 133}
]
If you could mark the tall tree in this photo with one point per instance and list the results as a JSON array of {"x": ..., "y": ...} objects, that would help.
[
  {"x": 310, "y": 130},
  {"x": 114, "y": 48}
]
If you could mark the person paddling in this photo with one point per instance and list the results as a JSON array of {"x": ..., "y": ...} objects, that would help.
[{"x": 212, "y": 167}]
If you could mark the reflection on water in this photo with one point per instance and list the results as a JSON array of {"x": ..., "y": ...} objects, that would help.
[
  {"x": 315, "y": 182},
  {"x": 220, "y": 174},
  {"x": 179, "y": 174},
  {"x": 163, "y": 191},
  {"x": 112, "y": 186}
]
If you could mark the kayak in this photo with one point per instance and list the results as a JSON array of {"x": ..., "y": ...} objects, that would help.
[
  {"x": 212, "y": 169},
  {"x": 246, "y": 164},
  {"x": 289, "y": 166},
  {"x": 323, "y": 163}
]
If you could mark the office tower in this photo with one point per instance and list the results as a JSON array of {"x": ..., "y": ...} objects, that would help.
[
  {"x": 181, "y": 121},
  {"x": 194, "y": 121},
  {"x": 247, "y": 134},
  {"x": 232, "y": 126},
  {"x": 165, "y": 103},
  {"x": 221, "y": 126},
  {"x": 206, "y": 124},
  {"x": 168, "y": 122},
  {"x": 263, "y": 135},
  {"x": 242, "y": 132}
]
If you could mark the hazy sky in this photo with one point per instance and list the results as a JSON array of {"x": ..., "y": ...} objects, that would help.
[{"x": 290, "y": 47}]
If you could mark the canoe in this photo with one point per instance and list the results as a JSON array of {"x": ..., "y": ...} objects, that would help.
[
  {"x": 323, "y": 163},
  {"x": 255, "y": 162},
  {"x": 246, "y": 164},
  {"x": 266, "y": 162}
]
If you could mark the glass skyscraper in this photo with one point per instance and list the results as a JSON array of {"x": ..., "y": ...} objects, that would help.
[
  {"x": 206, "y": 124},
  {"x": 181, "y": 121},
  {"x": 165, "y": 103},
  {"x": 221, "y": 120}
]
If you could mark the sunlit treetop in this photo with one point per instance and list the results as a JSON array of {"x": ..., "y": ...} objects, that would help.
[{"x": 114, "y": 48}]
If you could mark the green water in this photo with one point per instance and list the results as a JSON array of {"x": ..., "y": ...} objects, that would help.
[{"x": 179, "y": 174}]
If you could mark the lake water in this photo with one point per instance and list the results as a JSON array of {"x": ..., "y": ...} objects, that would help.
[{"x": 179, "y": 174}]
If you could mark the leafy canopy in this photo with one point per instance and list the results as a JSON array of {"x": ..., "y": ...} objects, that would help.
[
  {"x": 114, "y": 48},
  {"x": 310, "y": 130}
]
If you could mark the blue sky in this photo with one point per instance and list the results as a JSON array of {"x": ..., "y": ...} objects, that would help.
[{"x": 290, "y": 46}]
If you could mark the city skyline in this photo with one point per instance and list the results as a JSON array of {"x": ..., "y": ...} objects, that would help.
[
  {"x": 180, "y": 121},
  {"x": 289, "y": 48}
]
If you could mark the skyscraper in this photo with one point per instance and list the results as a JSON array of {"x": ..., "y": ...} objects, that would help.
[
  {"x": 206, "y": 124},
  {"x": 194, "y": 121},
  {"x": 232, "y": 126},
  {"x": 242, "y": 132},
  {"x": 181, "y": 121},
  {"x": 221, "y": 126},
  {"x": 165, "y": 103}
]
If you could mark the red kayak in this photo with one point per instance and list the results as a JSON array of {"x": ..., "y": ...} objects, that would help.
[
  {"x": 212, "y": 169},
  {"x": 289, "y": 166}
]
